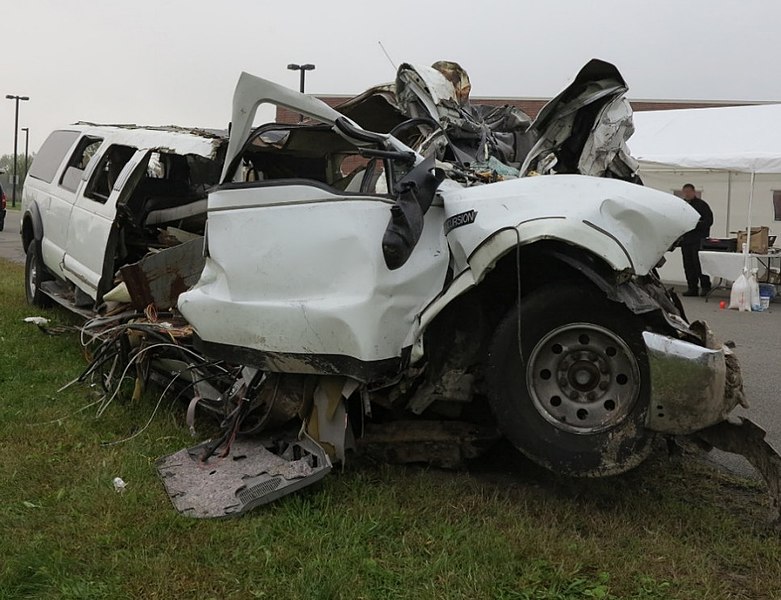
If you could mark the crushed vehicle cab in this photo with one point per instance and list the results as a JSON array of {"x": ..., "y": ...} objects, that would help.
[
  {"x": 101, "y": 198},
  {"x": 409, "y": 275},
  {"x": 448, "y": 262}
]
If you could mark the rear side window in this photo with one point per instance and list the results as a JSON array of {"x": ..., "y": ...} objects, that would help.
[
  {"x": 50, "y": 156},
  {"x": 106, "y": 174},
  {"x": 79, "y": 161}
]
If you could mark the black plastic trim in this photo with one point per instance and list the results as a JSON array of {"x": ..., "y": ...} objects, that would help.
[{"x": 35, "y": 215}]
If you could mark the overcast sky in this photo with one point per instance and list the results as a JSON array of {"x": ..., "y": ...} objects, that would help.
[{"x": 176, "y": 62}]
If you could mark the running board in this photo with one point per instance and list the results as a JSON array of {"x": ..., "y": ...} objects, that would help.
[
  {"x": 59, "y": 295},
  {"x": 257, "y": 471}
]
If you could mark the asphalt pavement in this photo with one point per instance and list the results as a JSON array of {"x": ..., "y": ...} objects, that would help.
[
  {"x": 10, "y": 241},
  {"x": 757, "y": 338}
]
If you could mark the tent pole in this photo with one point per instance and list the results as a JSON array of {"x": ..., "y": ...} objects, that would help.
[
  {"x": 748, "y": 226},
  {"x": 729, "y": 202}
]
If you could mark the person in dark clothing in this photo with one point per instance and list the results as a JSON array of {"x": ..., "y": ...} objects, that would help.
[{"x": 691, "y": 241}]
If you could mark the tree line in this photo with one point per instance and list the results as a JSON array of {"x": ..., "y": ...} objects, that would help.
[{"x": 7, "y": 173}]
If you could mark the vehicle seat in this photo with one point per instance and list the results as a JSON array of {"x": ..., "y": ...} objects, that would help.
[
  {"x": 164, "y": 200},
  {"x": 356, "y": 179},
  {"x": 190, "y": 208}
]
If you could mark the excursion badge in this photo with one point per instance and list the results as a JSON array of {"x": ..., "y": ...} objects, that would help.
[{"x": 459, "y": 220}]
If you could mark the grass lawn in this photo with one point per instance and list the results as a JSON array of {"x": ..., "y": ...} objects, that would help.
[{"x": 673, "y": 528}]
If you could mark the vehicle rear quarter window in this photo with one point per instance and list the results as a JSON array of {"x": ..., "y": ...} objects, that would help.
[
  {"x": 50, "y": 156},
  {"x": 106, "y": 175},
  {"x": 79, "y": 161}
]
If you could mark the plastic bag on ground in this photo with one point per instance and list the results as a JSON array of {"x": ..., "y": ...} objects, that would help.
[
  {"x": 754, "y": 291},
  {"x": 740, "y": 296}
]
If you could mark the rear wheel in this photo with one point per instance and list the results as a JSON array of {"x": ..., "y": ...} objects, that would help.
[
  {"x": 577, "y": 402},
  {"x": 34, "y": 275}
]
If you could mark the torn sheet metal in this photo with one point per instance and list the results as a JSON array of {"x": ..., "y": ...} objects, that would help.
[
  {"x": 592, "y": 103},
  {"x": 256, "y": 472},
  {"x": 607, "y": 140},
  {"x": 328, "y": 422},
  {"x": 425, "y": 91},
  {"x": 159, "y": 278},
  {"x": 740, "y": 435},
  {"x": 178, "y": 140},
  {"x": 493, "y": 138}
]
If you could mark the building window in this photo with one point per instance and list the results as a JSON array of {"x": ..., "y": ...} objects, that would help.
[{"x": 777, "y": 205}]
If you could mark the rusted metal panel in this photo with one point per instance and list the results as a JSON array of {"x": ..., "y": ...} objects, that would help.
[{"x": 159, "y": 278}]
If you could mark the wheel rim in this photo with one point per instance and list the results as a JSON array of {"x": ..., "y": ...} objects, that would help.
[
  {"x": 583, "y": 378},
  {"x": 31, "y": 280}
]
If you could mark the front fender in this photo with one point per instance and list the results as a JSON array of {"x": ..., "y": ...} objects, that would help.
[
  {"x": 33, "y": 215},
  {"x": 581, "y": 234},
  {"x": 628, "y": 226},
  {"x": 488, "y": 254}
]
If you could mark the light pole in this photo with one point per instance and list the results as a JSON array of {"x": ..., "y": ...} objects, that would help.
[
  {"x": 303, "y": 69},
  {"x": 16, "y": 139},
  {"x": 26, "y": 147}
]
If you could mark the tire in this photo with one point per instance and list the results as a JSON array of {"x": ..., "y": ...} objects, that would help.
[
  {"x": 578, "y": 403},
  {"x": 34, "y": 275}
]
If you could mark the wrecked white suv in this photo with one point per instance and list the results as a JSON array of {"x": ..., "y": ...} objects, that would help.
[
  {"x": 100, "y": 198},
  {"x": 413, "y": 256},
  {"x": 409, "y": 275}
]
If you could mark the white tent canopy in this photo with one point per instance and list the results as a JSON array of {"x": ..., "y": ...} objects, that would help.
[{"x": 743, "y": 139}]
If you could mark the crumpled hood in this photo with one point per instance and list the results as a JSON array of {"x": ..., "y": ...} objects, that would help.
[{"x": 634, "y": 225}]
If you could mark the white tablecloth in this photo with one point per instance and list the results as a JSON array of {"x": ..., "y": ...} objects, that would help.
[{"x": 729, "y": 265}]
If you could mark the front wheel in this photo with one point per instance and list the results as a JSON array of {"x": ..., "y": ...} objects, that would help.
[
  {"x": 576, "y": 401},
  {"x": 34, "y": 274}
]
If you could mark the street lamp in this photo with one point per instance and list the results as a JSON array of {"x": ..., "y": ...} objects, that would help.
[
  {"x": 16, "y": 137},
  {"x": 303, "y": 69},
  {"x": 26, "y": 146}
]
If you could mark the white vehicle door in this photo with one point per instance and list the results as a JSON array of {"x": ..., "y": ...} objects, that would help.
[
  {"x": 94, "y": 214},
  {"x": 298, "y": 238},
  {"x": 56, "y": 202}
]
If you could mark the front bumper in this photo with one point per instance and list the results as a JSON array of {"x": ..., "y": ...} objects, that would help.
[{"x": 692, "y": 387}]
